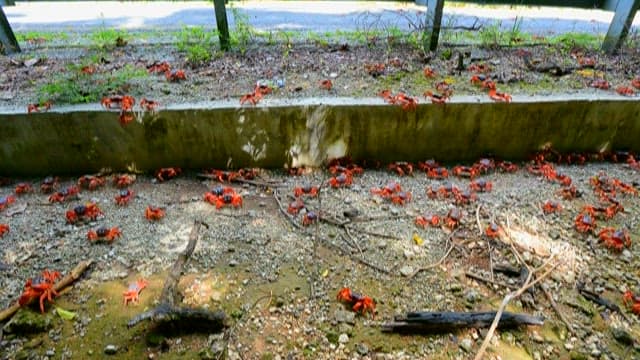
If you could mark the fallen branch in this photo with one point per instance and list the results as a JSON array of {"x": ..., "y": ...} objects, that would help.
[
  {"x": 284, "y": 212},
  {"x": 594, "y": 297},
  {"x": 63, "y": 283},
  {"x": 428, "y": 322},
  {"x": 169, "y": 317}
]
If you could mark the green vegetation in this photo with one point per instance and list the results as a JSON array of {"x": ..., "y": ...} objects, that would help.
[
  {"x": 243, "y": 32},
  {"x": 75, "y": 86},
  {"x": 197, "y": 43},
  {"x": 106, "y": 38},
  {"x": 569, "y": 41},
  {"x": 40, "y": 36}
]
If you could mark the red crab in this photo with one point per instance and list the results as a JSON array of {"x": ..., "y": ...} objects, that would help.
[
  {"x": 444, "y": 88},
  {"x": 375, "y": 70},
  {"x": 165, "y": 174},
  {"x": 348, "y": 169},
  {"x": 601, "y": 84},
  {"x": 153, "y": 213},
  {"x": 427, "y": 219},
  {"x": 125, "y": 118},
  {"x": 401, "y": 197},
  {"x": 123, "y": 197},
  {"x": 212, "y": 196},
  {"x": 295, "y": 207},
  {"x": 407, "y": 102},
  {"x": 91, "y": 182},
  {"x": 498, "y": 96},
  {"x": 388, "y": 190},
  {"x": 428, "y": 72},
  {"x": 464, "y": 197},
  {"x": 64, "y": 195},
  {"x": 481, "y": 186},
  {"x": 585, "y": 223},
  {"x": 23, "y": 188},
  {"x": 306, "y": 189},
  {"x": 40, "y": 287},
  {"x": 465, "y": 171},
  {"x": 159, "y": 67},
  {"x": 438, "y": 173},
  {"x": 360, "y": 303},
  {"x": 104, "y": 233},
  {"x": 507, "y": 166},
  {"x": 492, "y": 230},
  {"x": 6, "y": 201},
  {"x": 636, "y": 82},
  {"x": 625, "y": 90},
  {"x": 124, "y": 102},
  {"x": 428, "y": 165},
  {"x": 48, "y": 184},
  {"x": 326, "y": 84},
  {"x": 436, "y": 98},
  {"x": 615, "y": 239},
  {"x": 484, "y": 165},
  {"x": 479, "y": 68},
  {"x": 309, "y": 218},
  {"x": 39, "y": 107},
  {"x": 123, "y": 180},
  {"x": 341, "y": 180},
  {"x": 632, "y": 301},
  {"x": 445, "y": 191},
  {"x": 4, "y": 228},
  {"x": 551, "y": 206},
  {"x": 82, "y": 212},
  {"x": 175, "y": 75},
  {"x": 452, "y": 220},
  {"x": 229, "y": 197},
  {"x": 402, "y": 168},
  {"x": 252, "y": 98},
  {"x": 133, "y": 291},
  {"x": 569, "y": 192},
  {"x": 149, "y": 105}
]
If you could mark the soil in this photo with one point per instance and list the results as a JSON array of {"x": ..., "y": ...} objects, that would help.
[
  {"x": 277, "y": 279},
  {"x": 295, "y": 70}
]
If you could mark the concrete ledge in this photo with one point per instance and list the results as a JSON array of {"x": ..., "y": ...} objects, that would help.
[{"x": 82, "y": 139}]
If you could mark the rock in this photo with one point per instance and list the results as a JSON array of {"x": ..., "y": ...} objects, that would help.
[
  {"x": 343, "y": 316},
  {"x": 50, "y": 352},
  {"x": 471, "y": 296},
  {"x": 31, "y": 62},
  {"x": 343, "y": 338},
  {"x": 26, "y": 321},
  {"x": 406, "y": 270},
  {"x": 408, "y": 254},
  {"x": 233, "y": 263},
  {"x": 333, "y": 75},
  {"x": 362, "y": 349},
  {"x": 110, "y": 349},
  {"x": 466, "y": 345},
  {"x": 568, "y": 346}
]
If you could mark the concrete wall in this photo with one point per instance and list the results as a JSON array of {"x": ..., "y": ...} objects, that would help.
[{"x": 77, "y": 140}]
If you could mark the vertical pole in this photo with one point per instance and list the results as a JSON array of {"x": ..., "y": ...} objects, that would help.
[
  {"x": 625, "y": 11},
  {"x": 223, "y": 25},
  {"x": 8, "y": 42},
  {"x": 432, "y": 28}
]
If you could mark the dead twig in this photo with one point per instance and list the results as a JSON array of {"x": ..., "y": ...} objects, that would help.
[
  {"x": 437, "y": 263},
  {"x": 555, "y": 307},
  {"x": 490, "y": 281},
  {"x": 284, "y": 212},
  {"x": 63, "y": 283}
]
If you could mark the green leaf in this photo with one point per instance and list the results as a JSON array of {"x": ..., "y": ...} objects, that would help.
[{"x": 65, "y": 314}]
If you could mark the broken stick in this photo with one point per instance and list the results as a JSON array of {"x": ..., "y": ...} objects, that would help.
[
  {"x": 429, "y": 322},
  {"x": 63, "y": 283}
]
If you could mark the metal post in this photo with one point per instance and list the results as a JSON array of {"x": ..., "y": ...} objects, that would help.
[
  {"x": 432, "y": 28},
  {"x": 8, "y": 42},
  {"x": 620, "y": 25},
  {"x": 223, "y": 25}
]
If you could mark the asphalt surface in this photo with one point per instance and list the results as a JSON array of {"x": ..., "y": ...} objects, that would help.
[{"x": 313, "y": 16}]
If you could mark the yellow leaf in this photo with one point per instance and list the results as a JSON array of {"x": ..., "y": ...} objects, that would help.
[
  {"x": 325, "y": 273},
  {"x": 417, "y": 239},
  {"x": 65, "y": 314},
  {"x": 450, "y": 80}
]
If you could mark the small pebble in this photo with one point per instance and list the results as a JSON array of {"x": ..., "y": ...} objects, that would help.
[
  {"x": 343, "y": 338},
  {"x": 110, "y": 349}
]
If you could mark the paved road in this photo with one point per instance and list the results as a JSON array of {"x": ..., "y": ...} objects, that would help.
[{"x": 316, "y": 16}]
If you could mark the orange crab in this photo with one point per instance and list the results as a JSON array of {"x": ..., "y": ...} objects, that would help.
[
  {"x": 124, "y": 102},
  {"x": 629, "y": 299},
  {"x": 492, "y": 230},
  {"x": 465, "y": 171},
  {"x": 4, "y": 228},
  {"x": 436, "y": 98},
  {"x": 295, "y": 206},
  {"x": 453, "y": 218},
  {"x": 306, "y": 189},
  {"x": 91, "y": 182},
  {"x": 165, "y": 174},
  {"x": 326, "y": 84},
  {"x": 175, "y": 75},
  {"x": 149, "y": 105},
  {"x": 427, "y": 219},
  {"x": 341, "y": 180},
  {"x": 124, "y": 180},
  {"x": 625, "y": 91},
  {"x": 309, "y": 218},
  {"x": 585, "y": 223},
  {"x": 601, "y": 84},
  {"x": 45, "y": 106},
  {"x": 401, "y": 197},
  {"x": 48, "y": 184},
  {"x": 438, "y": 173},
  {"x": 104, "y": 233},
  {"x": 40, "y": 287},
  {"x": 408, "y": 103},
  {"x": 428, "y": 72},
  {"x": 481, "y": 186},
  {"x": 23, "y": 188},
  {"x": 153, "y": 213},
  {"x": 388, "y": 190},
  {"x": 464, "y": 197},
  {"x": 133, "y": 291},
  {"x": 358, "y": 302},
  {"x": 498, "y": 96},
  {"x": 615, "y": 239},
  {"x": 159, "y": 67},
  {"x": 89, "y": 211},
  {"x": 64, "y": 195},
  {"x": 6, "y": 201},
  {"x": 402, "y": 168},
  {"x": 252, "y": 98},
  {"x": 123, "y": 197},
  {"x": 636, "y": 82},
  {"x": 551, "y": 206},
  {"x": 229, "y": 197}
]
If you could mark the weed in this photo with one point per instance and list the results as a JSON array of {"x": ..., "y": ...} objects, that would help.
[
  {"x": 243, "y": 33},
  {"x": 73, "y": 86},
  {"x": 569, "y": 41},
  {"x": 40, "y": 36},
  {"x": 490, "y": 35},
  {"x": 107, "y": 38},
  {"x": 196, "y": 42}
]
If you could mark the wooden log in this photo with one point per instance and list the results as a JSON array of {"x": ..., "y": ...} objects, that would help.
[{"x": 430, "y": 322}]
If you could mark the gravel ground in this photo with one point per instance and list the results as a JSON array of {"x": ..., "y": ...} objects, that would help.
[{"x": 279, "y": 281}]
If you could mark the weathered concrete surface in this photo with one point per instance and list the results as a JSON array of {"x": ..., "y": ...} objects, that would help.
[{"x": 83, "y": 139}]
